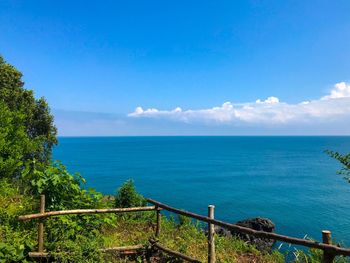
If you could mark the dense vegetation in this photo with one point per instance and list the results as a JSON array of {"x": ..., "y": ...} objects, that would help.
[{"x": 27, "y": 135}]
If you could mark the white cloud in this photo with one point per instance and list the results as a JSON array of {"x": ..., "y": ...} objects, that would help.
[
  {"x": 269, "y": 100},
  {"x": 268, "y": 111},
  {"x": 340, "y": 90}
]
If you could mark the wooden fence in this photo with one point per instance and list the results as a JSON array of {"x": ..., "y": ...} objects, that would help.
[{"x": 330, "y": 251}]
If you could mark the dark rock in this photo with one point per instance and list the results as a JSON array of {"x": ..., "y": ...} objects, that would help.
[
  {"x": 222, "y": 231},
  {"x": 259, "y": 224}
]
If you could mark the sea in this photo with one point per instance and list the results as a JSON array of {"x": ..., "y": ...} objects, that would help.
[{"x": 290, "y": 180}]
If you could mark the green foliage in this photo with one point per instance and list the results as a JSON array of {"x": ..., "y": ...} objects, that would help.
[
  {"x": 61, "y": 189},
  {"x": 344, "y": 159},
  {"x": 184, "y": 220},
  {"x": 79, "y": 234},
  {"x": 14, "y": 142},
  {"x": 26, "y": 125},
  {"x": 16, "y": 239},
  {"x": 14, "y": 244},
  {"x": 127, "y": 196},
  {"x": 72, "y": 240}
]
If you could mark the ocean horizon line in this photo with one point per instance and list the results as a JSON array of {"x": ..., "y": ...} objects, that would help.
[{"x": 124, "y": 136}]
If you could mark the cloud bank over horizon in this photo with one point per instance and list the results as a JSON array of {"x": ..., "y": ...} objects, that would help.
[
  {"x": 335, "y": 105},
  {"x": 328, "y": 115}
]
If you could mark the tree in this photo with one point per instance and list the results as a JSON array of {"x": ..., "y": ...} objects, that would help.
[
  {"x": 14, "y": 142},
  {"x": 127, "y": 196},
  {"x": 344, "y": 159},
  {"x": 27, "y": 131}
]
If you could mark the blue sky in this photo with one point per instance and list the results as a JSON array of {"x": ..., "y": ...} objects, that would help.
[{"x": 216, "y": 62}]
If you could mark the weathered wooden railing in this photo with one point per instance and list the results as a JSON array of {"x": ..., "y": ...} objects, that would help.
[
  {"x": 43, "y": 214},
  {"x": 329, "y": 251}
]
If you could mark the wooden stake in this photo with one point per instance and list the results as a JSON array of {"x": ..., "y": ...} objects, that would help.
[
  {"x": 159, "y": 217},
  {"x": 327, "y": 239},
  {"x": 41, "y": 225},
  {"x": 211, "y": 232}
]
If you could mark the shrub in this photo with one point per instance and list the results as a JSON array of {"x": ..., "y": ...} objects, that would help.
[
  {"x": 61, "y": 189},
  {"x": 127, "y": 196}
]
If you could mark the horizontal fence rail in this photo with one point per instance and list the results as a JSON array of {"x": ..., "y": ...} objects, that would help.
[
  {"x": 85, "y": 211},
  {"x": 126, "y": 250},
  {"x": 297, "y": 241}
]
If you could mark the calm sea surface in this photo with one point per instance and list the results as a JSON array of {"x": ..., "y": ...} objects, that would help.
[{"x": 287, "y": 179}]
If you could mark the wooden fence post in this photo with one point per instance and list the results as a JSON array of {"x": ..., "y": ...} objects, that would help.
[
  {"x": 159, "y": 217},
  {"x": 327, "y": 239},
  {"x": 41, "y": 225},
  {"x": 211, "y": 232}
]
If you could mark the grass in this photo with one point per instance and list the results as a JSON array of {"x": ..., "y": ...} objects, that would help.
[{"x": 187, "y": 238}]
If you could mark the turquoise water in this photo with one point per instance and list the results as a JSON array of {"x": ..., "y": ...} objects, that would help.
[{"x": 287, "y": 179}]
